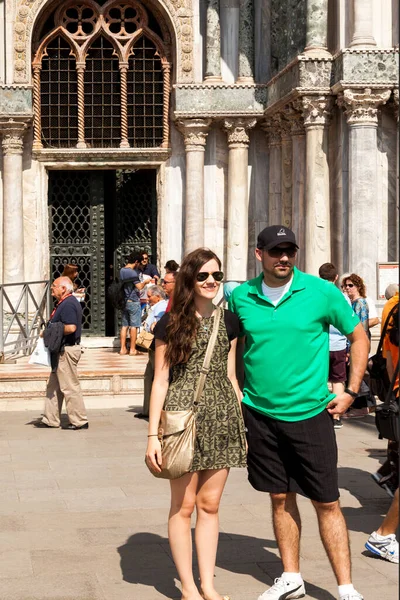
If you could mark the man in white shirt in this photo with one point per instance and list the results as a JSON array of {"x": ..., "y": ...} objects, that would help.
[{"x": 337, "y": 346}]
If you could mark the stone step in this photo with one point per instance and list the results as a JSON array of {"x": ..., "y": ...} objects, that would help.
[{"x": 102, "y": 372}]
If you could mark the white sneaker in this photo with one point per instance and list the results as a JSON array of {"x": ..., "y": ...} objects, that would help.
[
  {"x": 284, "y": 590},
  {"x": 352, "y": 596},
  {"x": 387, "y": 547}
]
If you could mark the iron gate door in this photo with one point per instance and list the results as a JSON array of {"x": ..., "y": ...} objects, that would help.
[
  {"x": 96, "y": 219},
  {"x": 76, "y": 218},
  {"x": 135, "y": 219},
  {"x": 135, "y": 214}
]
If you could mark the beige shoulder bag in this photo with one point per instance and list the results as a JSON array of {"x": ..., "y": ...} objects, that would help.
[{"x": 177, "y": 429}]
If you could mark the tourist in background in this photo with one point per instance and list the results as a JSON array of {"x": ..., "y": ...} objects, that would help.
[
  {"x": 158, "y": 305},
  {"x": 71, "y": 271}
]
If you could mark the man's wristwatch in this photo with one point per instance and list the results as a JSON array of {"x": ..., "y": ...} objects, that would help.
[{"x": 351, "y": 393}]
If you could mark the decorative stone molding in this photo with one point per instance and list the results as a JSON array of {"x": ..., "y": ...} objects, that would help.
[
  {"x": 361, "y": 107},
  {"x": 179, "y": 13},
  {"x": 237, "y": 130},
  {"x": 13, "y": 136},
  {"x": 69, "y": 158},
  {"x": 194, "y": 133},
  {"x": 316, "y": 110}
]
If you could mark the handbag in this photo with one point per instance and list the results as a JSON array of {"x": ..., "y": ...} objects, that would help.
[
  {"x": 379, "y": 379},
  {"x": 40, "y": 355},
  {"x": 144, "y": 339},
  {"x": 387, "y": 414},
  {"x": 177, "y": 429}
]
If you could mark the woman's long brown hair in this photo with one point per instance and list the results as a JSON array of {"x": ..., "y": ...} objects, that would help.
[{"x": 183, "y": 323}]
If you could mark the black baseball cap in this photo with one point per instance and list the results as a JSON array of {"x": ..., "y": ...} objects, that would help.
[{"x": 274, "y": 235}]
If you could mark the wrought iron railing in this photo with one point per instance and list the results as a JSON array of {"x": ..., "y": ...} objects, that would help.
[{"x": 24, "y": 307}]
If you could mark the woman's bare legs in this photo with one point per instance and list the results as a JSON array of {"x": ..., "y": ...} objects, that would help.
[
  {"x": 211, "y": 484},
  {"x": 183, "y": 498}
]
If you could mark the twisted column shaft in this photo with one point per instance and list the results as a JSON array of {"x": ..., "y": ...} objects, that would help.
[
  {"x": 123, "y": 68},
  {"x": 166, "y": 67},
  {"x": 37, "y": 115},
  {"x": 80, "y": 68}
]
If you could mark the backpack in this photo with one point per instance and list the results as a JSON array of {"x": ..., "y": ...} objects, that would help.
[
  {"x": 378, "y": 376},
  {"x": 116, "y": 295}
]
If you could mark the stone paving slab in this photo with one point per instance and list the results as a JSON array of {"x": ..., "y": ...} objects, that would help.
[{"x": 82, "y": 519}]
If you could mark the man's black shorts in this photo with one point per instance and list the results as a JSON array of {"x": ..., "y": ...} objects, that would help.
[{"x": 299, "y": 456}]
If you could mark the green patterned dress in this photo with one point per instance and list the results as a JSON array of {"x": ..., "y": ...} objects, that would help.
[{"x": 220, "y": 435}]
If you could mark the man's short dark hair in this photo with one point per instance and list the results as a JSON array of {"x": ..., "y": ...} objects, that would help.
[
  {"x": 328, "y": 271},
  {"x": 134, "y": 257}
]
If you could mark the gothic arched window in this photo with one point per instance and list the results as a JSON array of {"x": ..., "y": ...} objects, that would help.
[{"x": 101, "y": 75}]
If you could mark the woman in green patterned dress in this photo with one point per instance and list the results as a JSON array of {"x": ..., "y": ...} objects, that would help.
[{"x": 181, "y": 340}]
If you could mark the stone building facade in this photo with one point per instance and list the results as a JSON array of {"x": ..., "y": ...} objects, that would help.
[{"x": 173, "y": 124}]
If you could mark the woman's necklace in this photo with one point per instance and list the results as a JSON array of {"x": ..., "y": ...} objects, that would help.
[{"x": 204, "y": 326}]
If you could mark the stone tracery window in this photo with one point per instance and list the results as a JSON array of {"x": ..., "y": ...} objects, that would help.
[{"x": 102, "y": 77}]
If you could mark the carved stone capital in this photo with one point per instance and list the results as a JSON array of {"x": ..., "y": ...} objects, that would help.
[
  {"x": 237, "y": 130},
  {"x": 361, "y": 107},
  {"x": 316, "y": 111},
  {"x": 273, "y": 129},
  {"x": 12, "y": 136},
  {"x": 194, "y": 133},
  {"x": 293, "y": 114}
]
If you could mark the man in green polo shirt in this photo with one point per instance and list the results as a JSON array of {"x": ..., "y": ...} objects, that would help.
[{"x": 285, "y": 316}]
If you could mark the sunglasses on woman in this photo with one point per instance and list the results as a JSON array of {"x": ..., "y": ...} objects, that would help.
[
  {"x": 348, "y": 285},
  {"x": 203, "y": 276}
]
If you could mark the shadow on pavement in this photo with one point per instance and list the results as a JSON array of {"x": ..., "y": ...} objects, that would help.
[
  {"x": 146, "y": 560},
  {"x": 373, "y": 500}
]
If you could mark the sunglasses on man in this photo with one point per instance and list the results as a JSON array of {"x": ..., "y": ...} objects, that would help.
[{"x": 277, "y": 251}]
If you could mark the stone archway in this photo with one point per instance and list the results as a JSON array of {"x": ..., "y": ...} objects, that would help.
[{"x": 178, "y": 13}]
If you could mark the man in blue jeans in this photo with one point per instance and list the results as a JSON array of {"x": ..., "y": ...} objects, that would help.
[{"x": 131, "y": 315}]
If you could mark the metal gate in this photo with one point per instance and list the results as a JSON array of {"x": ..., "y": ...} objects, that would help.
[{"x": 97, "y": 218}]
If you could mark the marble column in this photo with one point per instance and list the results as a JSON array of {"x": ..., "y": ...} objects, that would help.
[
  {"x": 317, "y": 28},
  {"x": 397, "y": 157},
  {"x": 363, "y": 24},
  {"x": 13, "y": 217},
  {"x": 238, "y": 197},
  {"x": 194, "y": 133},
  {"x": 298, "y": 183},
  {"x": 361, "y": 109},
  {"x": 273, "y": 130},
  {"x": 213, "y": 42},
  {"x": 246, "y": 42},
  {"x": 317, "y": 229},
  {"x": 286, "y": 174}
]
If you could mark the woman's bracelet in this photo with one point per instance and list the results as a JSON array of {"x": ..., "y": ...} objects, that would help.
[{"x": 153, "y": 435}]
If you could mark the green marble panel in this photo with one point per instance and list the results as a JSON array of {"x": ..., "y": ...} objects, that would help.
[
  {"x": 15, "y": 100},
  {"x": 218, "y": 100},
  {"x": 369, "y": 67}
]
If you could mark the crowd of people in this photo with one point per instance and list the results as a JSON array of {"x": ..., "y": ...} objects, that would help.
[{"x": 288, "y": 363}]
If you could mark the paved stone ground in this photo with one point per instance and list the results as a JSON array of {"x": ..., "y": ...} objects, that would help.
[{"x": 82, "y": 519}]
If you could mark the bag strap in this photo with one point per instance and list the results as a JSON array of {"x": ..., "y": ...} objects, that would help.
[
  {"x": 385, "y": 326},
  {"x": 388, "y": 399},
  {"x": 207, "y": 358}
]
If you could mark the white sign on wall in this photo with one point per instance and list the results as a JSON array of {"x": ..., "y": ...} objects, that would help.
[{"x": 386, "y": 273}]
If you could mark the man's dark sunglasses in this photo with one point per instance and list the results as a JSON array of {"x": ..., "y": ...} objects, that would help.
[
  {"x": 276, "y": 252},
  {"x": 203, "y": 276}
]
